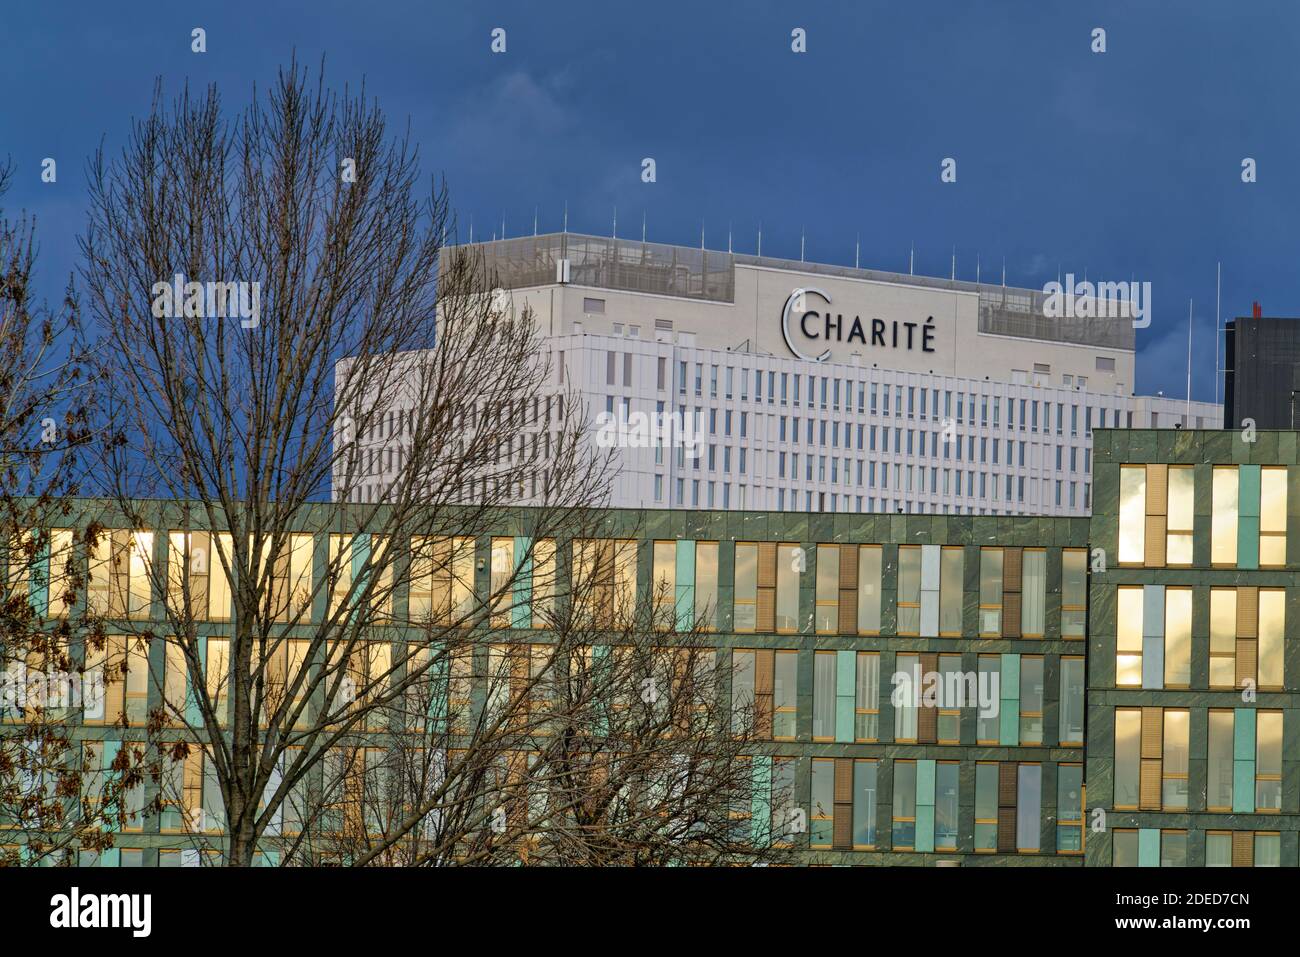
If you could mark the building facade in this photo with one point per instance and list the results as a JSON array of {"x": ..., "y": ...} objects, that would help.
[
  {"x": 805, "y": 387},
  {"x": 1194, "y": 661},
  {"x": 939, "y": 689}
]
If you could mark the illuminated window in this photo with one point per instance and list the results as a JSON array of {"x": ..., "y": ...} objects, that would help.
[
  {"x": 706, "y": 585},
  {"x": 1128, "y": 637},
  {"x": 1219, "y": 762},
  {"x": 218, "y": 678},
  {"x": 1247, "y": 626},
  {"x": 1178, "y": 637},
  {"x": 1272, "y": 517},
  {"x": 442, "y": 581},
  {"x": 1272, "y": 621},
  {"x": 1223, "y": 637},
  {"x": 1128, "y": 757},
  {"x": 290, "y": 575},
  {"x": 746, "y": 587},
  {"x": 121, "y": 667},
  {"x": 198, "y": 588},
  {"x": 1178, "y": 548},
  {"x": 1174, "y": 762},
  {"x": 604, "y": 577},
  {"x": 1132, "y": 513},
  {"x": 664, "y": 585},
  {"x": 1223, "y": 526},
  {"x": 544, "y": 590},
  {"x": 353, "y": 556},
  {"x": 120, "y": 566}
]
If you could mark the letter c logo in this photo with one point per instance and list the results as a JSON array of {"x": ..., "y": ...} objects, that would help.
[{"x": 798, "y": 296}]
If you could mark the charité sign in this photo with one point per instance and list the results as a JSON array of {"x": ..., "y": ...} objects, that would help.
[{"x": 806, "y": 321}]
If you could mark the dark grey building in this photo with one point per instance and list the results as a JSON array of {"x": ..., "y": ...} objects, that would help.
[{"x": 1262, "y": 372}]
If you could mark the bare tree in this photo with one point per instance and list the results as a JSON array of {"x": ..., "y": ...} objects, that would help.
[
  {"x": 276, "y": 295},
  {"x": 62, "y": 795},
  {"x": 609, "y": 743}
]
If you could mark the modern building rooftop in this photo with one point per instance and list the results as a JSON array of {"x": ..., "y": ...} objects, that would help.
[{"x": 604, "y": 262}]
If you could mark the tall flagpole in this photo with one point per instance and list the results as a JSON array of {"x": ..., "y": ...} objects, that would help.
[
  {"x": 1218, "y": 285},
  {"x": 1189, "y": 363}
]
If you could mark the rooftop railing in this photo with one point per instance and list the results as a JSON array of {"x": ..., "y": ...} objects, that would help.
[{"x": 630, "y": 265}]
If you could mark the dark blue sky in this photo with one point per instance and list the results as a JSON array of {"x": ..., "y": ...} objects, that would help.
[{"x": 1124, "y": 164}]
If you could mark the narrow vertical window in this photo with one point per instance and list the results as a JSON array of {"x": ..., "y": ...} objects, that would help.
[
  {"x": 869, "y": 589},
  {"x": 1223, "y": 526},
  {"x": 828, "y": 585},
  {"x": 1272, "y": 517},
  {"x": 1178, "y": 637},
  {"x": 991, "y": 592},
  {"x": 1074, "y": 592},
  {"x": 1128, "y": 637},
  {"x": 1132, "y": 513},
  {"x": 1181, "y": 500}
]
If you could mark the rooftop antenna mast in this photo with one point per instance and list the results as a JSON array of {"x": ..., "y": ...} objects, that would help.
[
  {"x": 857, "y": 252},
  {"x": 701, "y": 235},
  {"x": 471, "y": 229},
  {"x": 977, "y": 267},
  {"x": 1218, "y": 280},
  {"x": 534, "y": 220},
  {"x": 1004, "y": 272},
  {"x": 614, "y": 234},
  {"x": 911, "y": 260},
  {"x": 803, "y": 237},
  {"x": 1189, "y": 362},
  {"x": 566, "y": 216},
  {"x": 760, "y": 238},
  {"x": 954, "y": 263},
  {"x": 643, "y": 227}
]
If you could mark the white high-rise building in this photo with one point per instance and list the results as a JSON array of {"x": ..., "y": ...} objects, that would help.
[{"x": 728, "y": 381}]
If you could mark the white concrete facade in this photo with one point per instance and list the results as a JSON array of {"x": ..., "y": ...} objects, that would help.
[{"x": 801, "y": 392}]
